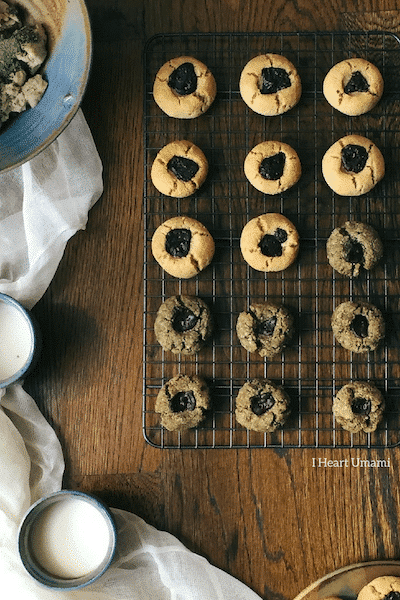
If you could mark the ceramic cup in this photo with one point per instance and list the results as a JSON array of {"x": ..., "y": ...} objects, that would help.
[
  {"x": 67, "y": 540},
  {"x": 20, "y": 341}
]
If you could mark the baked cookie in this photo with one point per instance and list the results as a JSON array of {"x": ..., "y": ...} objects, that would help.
[
  {"x": 353, "y": 86},
  {"x": 262, "y": 406},
  {"x": 269, "y": 242},
  {"x": 184, "y": 88},
  {"x": 353, "y": 165},
  {"x": 182, "y": 402},
  {"x": 270, "y": 85},
  {"x": 352, "y": 247},
  {"x": 358, "y": 326},
  {"x": 358, "y": 407},
  {"x": 183, "y": 324},
  {"x": 179, "y": 169},
  {"x": 265, "y": 328},
  {"x": 182, "y": 246},
  {"x": 272, "y": 167},
  {"x": 386, "y": 587}
]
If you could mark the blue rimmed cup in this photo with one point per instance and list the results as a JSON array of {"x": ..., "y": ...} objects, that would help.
[
  {"x": 67, "y": 540},
  {"x": 20, "y": 341}
]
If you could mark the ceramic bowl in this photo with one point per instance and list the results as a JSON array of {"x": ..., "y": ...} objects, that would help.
[
  {"x": 67, "y": 540},
  {"x": 66, "y": 70},
  {"x": 20, "y": 341}
]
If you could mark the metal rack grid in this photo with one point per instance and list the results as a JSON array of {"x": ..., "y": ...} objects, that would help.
[{"x": 314, "y": 367}]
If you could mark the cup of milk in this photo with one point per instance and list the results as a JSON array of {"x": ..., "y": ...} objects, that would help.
[
  {"x": 67, "y": 540},
  {"x": 19, "y": 341}
]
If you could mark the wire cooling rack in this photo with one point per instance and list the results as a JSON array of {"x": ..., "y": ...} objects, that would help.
[{"x": 314, "y": 367}]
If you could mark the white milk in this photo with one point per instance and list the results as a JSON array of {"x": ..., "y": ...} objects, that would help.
[
  {"x": 70, "y": 539},
  {"x": 15, "y": 340}
]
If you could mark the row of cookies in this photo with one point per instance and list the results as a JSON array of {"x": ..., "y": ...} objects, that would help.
[
  {"x": 185, "y": 88},
  {"x": 269, "y": 242},
  {"x": 183, "y": 246},
  {"x": 352, "y": 166},
  {"x": 183, "y": 324},
  {"x": 261, "y": 405},
  {"x": 185, "y": 400}
]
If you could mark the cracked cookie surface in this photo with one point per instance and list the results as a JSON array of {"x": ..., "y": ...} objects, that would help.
[
  {"x": 269, "y": 242},
  {"x": 270, "y": 85},
  {"x": 272, "y": 167},
  {"x": 182, "y": 246},
  {"x": 353, "y": 165},
  {"x": 262, "y": 405},
  {"x": 352, "y": 247},
  {"x": 358, "y": 326},
  {"x": 179, "y": 169},
  {"x": 359, "y": 406},
  {"x": 184, "y": 88},
  {"x": 353, "y": 86},
  {"x": 183, "y": 402},
  {"x": 266, "y": 328},
  {"x": 183, "y": 324},
  {"x": 386, "y": 587}
]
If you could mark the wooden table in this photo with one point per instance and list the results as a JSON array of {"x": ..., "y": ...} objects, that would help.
[{"x": 273, "y": 518}]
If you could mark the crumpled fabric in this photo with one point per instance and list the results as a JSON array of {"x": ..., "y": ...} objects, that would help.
[{"x": 42, "y": 204}]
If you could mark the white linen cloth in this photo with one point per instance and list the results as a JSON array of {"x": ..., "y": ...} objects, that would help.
[{"x": 42, "y": 204}]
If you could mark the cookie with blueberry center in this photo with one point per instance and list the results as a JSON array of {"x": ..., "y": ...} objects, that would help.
[
  {"x": 183, "y": 402},
  {"x": 353, "y": 166},
  {"x": 353, "y": 86},
  {"x": 184, "y": 88},
  {"x": 182, "y": 246},
  {"x": 262, "y": 406},
  {"x": 358, "y": 406},
  {"x": 183, "y": 324},
  {"x": 353, "y": 247},
  {"x": 266, "y": 328},
  {"x": 269, "y": 242},
  {"x": 358, "y": 326},
  {"x": 179, "y": 169},
  {"x": 385, "y": 587},
  {"x": 272, "y": 167},
  {"x": 270, "y": 84}
]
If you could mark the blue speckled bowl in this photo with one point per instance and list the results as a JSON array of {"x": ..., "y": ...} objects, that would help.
[{"x": 66, "y": 69}]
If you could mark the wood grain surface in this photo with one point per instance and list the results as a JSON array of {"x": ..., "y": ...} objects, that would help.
[{"x": 275, "y": 519}]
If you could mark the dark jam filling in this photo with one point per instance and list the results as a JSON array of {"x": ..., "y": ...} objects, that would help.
[
  {"x": 272, "y": 166},
  {"x": 183, "y": 168},
  {"x": 392, "y": 596},
  {"x": 266, "y": 327},
  {"x": 271, "y": 245},
  {"x": 274, "y": 79},
  {"x": 357, "y": 83},
  {"x": 361, "y": 406},
  {"x": 183, "y": 320},
  {"x": 359, "y": 325},
  {"x": 353, "y": 251},
  {"x": 183, "y": 80},
  {"x": 261, "y": 403},
  {"x": 354, "y": 158},
  {"x": 182, "y": 401},
  {"x": 177, "y": 242}
]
